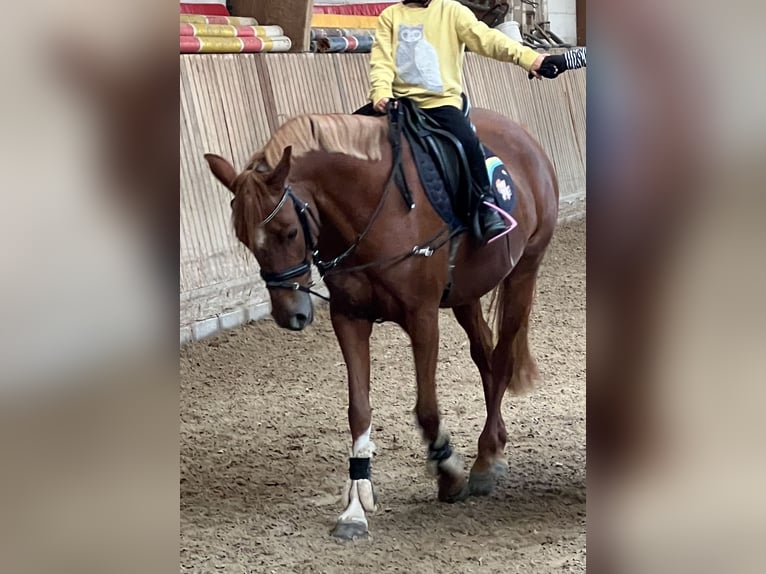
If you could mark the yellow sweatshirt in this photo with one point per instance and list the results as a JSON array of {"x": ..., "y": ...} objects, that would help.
[{"x": 418, "y": 52}]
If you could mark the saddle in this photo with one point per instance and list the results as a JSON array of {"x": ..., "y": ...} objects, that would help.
[
  {"x": 439, "y": 157},
  {"x": 442, "y": 165}
]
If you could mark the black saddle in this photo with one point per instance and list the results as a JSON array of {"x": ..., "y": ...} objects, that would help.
[{"x": 440, "y": 159}]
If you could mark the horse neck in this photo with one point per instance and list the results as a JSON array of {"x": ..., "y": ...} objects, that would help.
[{"x": 331, "y": 178}]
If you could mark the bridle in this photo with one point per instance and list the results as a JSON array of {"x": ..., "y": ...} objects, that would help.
[{"x": 283, "y": 279}]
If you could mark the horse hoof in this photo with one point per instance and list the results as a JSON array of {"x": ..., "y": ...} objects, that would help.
[
  {"x": 482, "y": 484},
  {"x": 459, "y": 496},
  {"x": 350, "y": 530}
]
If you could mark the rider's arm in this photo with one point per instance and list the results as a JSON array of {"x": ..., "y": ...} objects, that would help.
[
  {"x": 483, "y": 40},
  {"x": 382, "y": 65},
  {"x": 575, "y": 58}
]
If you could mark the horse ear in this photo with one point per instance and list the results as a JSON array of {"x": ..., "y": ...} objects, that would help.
[
  {"x": 222, "y": 170},
  {"x": 276, "y": 178}
]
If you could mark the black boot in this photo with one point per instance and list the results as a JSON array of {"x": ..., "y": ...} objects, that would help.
[{"x": 487, "y": 222}]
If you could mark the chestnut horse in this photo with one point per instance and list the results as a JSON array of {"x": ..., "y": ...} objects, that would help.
[{"x": 320, "y": 192}]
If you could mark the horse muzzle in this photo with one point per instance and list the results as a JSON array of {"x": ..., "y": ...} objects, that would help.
[
  {"x": 299, "y": 321},
  {"x": 292, "y": 310}
]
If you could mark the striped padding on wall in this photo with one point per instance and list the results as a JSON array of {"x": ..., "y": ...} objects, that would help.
[{"x": 205, "y": 7}]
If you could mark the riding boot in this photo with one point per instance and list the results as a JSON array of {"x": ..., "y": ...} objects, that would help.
[{"x": 487, "y": 222}]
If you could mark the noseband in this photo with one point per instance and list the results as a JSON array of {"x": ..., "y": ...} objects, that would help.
[{"x": 282, "y": 279}]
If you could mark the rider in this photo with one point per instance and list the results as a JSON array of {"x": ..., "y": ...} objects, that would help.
[{"x": 418, "y": 54}]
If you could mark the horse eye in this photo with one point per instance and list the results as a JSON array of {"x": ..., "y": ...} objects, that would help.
[{"x": 292, "y": 234}]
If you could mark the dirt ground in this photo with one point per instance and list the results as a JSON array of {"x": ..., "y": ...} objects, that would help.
[{"x": 264, "y": 446}]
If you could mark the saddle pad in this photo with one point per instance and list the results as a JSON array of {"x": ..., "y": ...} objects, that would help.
[
  {"x": 502, "y": 185},
  {"x": 501, "y": 182}
]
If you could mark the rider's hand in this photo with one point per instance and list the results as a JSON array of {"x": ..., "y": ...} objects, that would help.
[
  {"x": 536, "y": 66},
  {"x": 551, "y": 67},
  {"x": 380, "y": 105}
]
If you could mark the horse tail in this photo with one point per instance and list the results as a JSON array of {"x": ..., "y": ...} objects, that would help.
[
  {"x": 524, "y": 375},
  {"x": 495, "y": 310}
]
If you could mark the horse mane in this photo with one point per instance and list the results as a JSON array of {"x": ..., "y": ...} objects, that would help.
[{"x": 357, "y": 136}]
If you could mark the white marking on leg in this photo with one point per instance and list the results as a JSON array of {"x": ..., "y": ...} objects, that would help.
[
  {"x": 359, "y": 493},
  {"x": 452, "y": 465},
  {"x": 363, "y": 446},
  {"x": 442, "y": 438},
  {"x": 355, "y": 510},
  {"x": 366, "y": 495}
]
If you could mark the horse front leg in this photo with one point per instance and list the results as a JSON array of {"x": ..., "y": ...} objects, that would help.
[
  {"x": 423, "y": 329},
  {"x": 359, "y": 497}
]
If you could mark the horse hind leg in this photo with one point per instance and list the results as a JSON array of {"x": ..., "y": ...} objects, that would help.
[
  {"x": 512, "y": 366},
  {"x": 471, "y": 318}
]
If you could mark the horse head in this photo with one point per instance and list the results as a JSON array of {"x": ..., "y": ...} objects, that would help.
[{"x": 272, "y": 223}]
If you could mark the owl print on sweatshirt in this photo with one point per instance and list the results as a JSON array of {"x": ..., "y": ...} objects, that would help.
[{"x": 417, "y": 62}]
